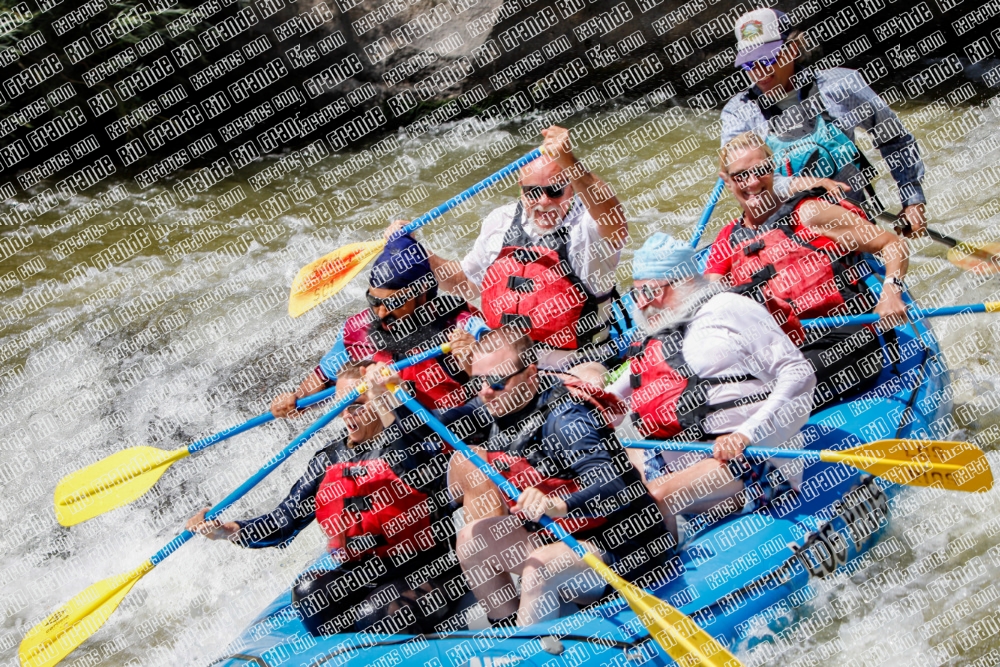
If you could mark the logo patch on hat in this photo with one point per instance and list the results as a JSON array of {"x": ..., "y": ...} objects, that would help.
[{"x": 751, "y": 31}]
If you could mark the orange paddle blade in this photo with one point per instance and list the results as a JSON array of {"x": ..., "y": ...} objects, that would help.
[
  {"x": 982, "y": 258},
  {"x": 320, "y": 280}
]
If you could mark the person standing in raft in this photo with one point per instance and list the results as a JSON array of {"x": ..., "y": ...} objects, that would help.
[
  {"x": 810, "y": 118},
  {"x": 561, "y": 452},
  {"x": 379, "y": 539},
  {"x": 713, "y": 367},
  {"x": 546, "y": 263},
  {"x": 406, "y": 315},
  {"x": 803, "y": 258}
]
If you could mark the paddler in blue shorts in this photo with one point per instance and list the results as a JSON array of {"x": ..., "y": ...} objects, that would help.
[
  {"x": 714, "y": 367},
  {"x": 380, "y": 542},
  {"x": 405, "y": 315},
  {"x": 553, "y": 439}
]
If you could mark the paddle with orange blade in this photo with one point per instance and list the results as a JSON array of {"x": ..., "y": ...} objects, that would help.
[
  {"x": 981, "y": 258},
  {"x": 320, "y": 280}
]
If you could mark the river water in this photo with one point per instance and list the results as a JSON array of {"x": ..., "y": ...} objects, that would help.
[{"x": 137, "y": 327}]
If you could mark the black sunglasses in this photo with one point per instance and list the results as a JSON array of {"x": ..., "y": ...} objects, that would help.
[
  {"x": 551, "y": 191},
  {"x": 496, "y": 382},
  {"x": 760, "y": 171},
  {"x": 763, "y": 62},
  {"x": 647, "y": 292},
  {"x": 393, "y": 302}
]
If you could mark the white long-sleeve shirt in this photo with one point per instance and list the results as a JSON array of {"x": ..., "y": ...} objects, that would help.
[{"x": 735, "y": 335}]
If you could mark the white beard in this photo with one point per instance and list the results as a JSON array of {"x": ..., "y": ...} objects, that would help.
[
  {"x": 692, "y": 294},
  {"x": 531, "y": 213}
]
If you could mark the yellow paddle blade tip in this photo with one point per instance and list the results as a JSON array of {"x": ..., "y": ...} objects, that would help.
[
  {"x": 112, "y": 482},
  {"x": 70, "y": 625},
  {"x": 949, "y": 465},
  {"x": 676, "y": 633}
]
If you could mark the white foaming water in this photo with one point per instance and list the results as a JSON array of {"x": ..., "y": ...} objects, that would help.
[{"x": 83, "y": 389}]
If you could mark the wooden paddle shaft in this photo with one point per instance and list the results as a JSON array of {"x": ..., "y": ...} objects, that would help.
[{"x": 896, "y": 221}]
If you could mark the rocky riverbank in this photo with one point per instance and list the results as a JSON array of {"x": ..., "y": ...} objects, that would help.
[{"x": 154, "y": 88}]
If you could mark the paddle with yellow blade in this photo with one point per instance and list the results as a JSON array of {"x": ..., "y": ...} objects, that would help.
[
  {"x": 679, "y": 636},
  {"x": 955, "y": 466},
  {"x": 126, "y": 475},
  {"x": 320, "y": 280},
  {"x": 69, "y": 626},
  {"x": 981, "y": 258}
]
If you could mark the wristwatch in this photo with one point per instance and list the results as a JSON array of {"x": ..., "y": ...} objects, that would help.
[{"x": 897, "y": 282}]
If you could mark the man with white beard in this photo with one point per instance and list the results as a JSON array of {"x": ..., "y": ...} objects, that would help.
[
  {"x": 713, "y": 367},
  {"x": 546, "y": 263}
]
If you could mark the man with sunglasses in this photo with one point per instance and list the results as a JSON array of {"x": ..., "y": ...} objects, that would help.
[
  {"x": 558, "y": 447},
  {"x": 546, "y": 263},
  {"x": 715, "y": 367},
  {"x": 806, "y": 256},
  {"x": 405, "y": 315},
  {"x": 810, "y": 117},
  {"x": 378, "y": 539}
]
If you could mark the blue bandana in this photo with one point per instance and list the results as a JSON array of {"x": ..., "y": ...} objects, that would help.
[{"x": 662, "y": 257}]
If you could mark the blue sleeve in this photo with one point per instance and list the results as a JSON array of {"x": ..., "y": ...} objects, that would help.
[
  {"x": 587, "y": 455},
  {"x": 896, "y": 145},
  {"x": 278, "y": 527},
  {"x": 335, "y": 359}
]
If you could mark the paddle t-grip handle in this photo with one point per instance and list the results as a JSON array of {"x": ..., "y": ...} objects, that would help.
[
  {"x": 502, "y": 483},
  {"x": 440, "y": 210}
]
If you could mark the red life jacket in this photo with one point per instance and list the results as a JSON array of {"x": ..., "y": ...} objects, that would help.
[
  {"x": 668, "y": 398},
  {"x": 521, "y": 463},
  {"x": 366, "y": 508},
  {"x": 804, "y": 273},
  {"x": 532, "y": 285},
  {"x": 435, "y": 386}
]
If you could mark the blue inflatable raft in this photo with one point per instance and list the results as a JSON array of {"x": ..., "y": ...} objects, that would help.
[{"x": 740, "y": 579}]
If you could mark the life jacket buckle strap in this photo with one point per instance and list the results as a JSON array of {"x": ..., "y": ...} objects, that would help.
[
  {"x": 754, "y": 248},
  {"x": 515, "y": 320},
  {"x": 355, "y": 472},
  {"x": 763, "y": 275},
  {"x": 358, "y": 504},
  {"x": 520, "y": 284}
]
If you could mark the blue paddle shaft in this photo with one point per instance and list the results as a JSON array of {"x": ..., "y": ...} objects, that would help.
[
  {"x": 437, "y": 212},
  {"x": 260, "y": 419},
  {"x": 473, "y": 325},
  {"x": 871, "y": 318},
  {"x": 706, "y": 215},
  {"x": 280, "y": 457},
  {"x": 756, "y": 453},
  {"x": 502, "y": 483}
]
